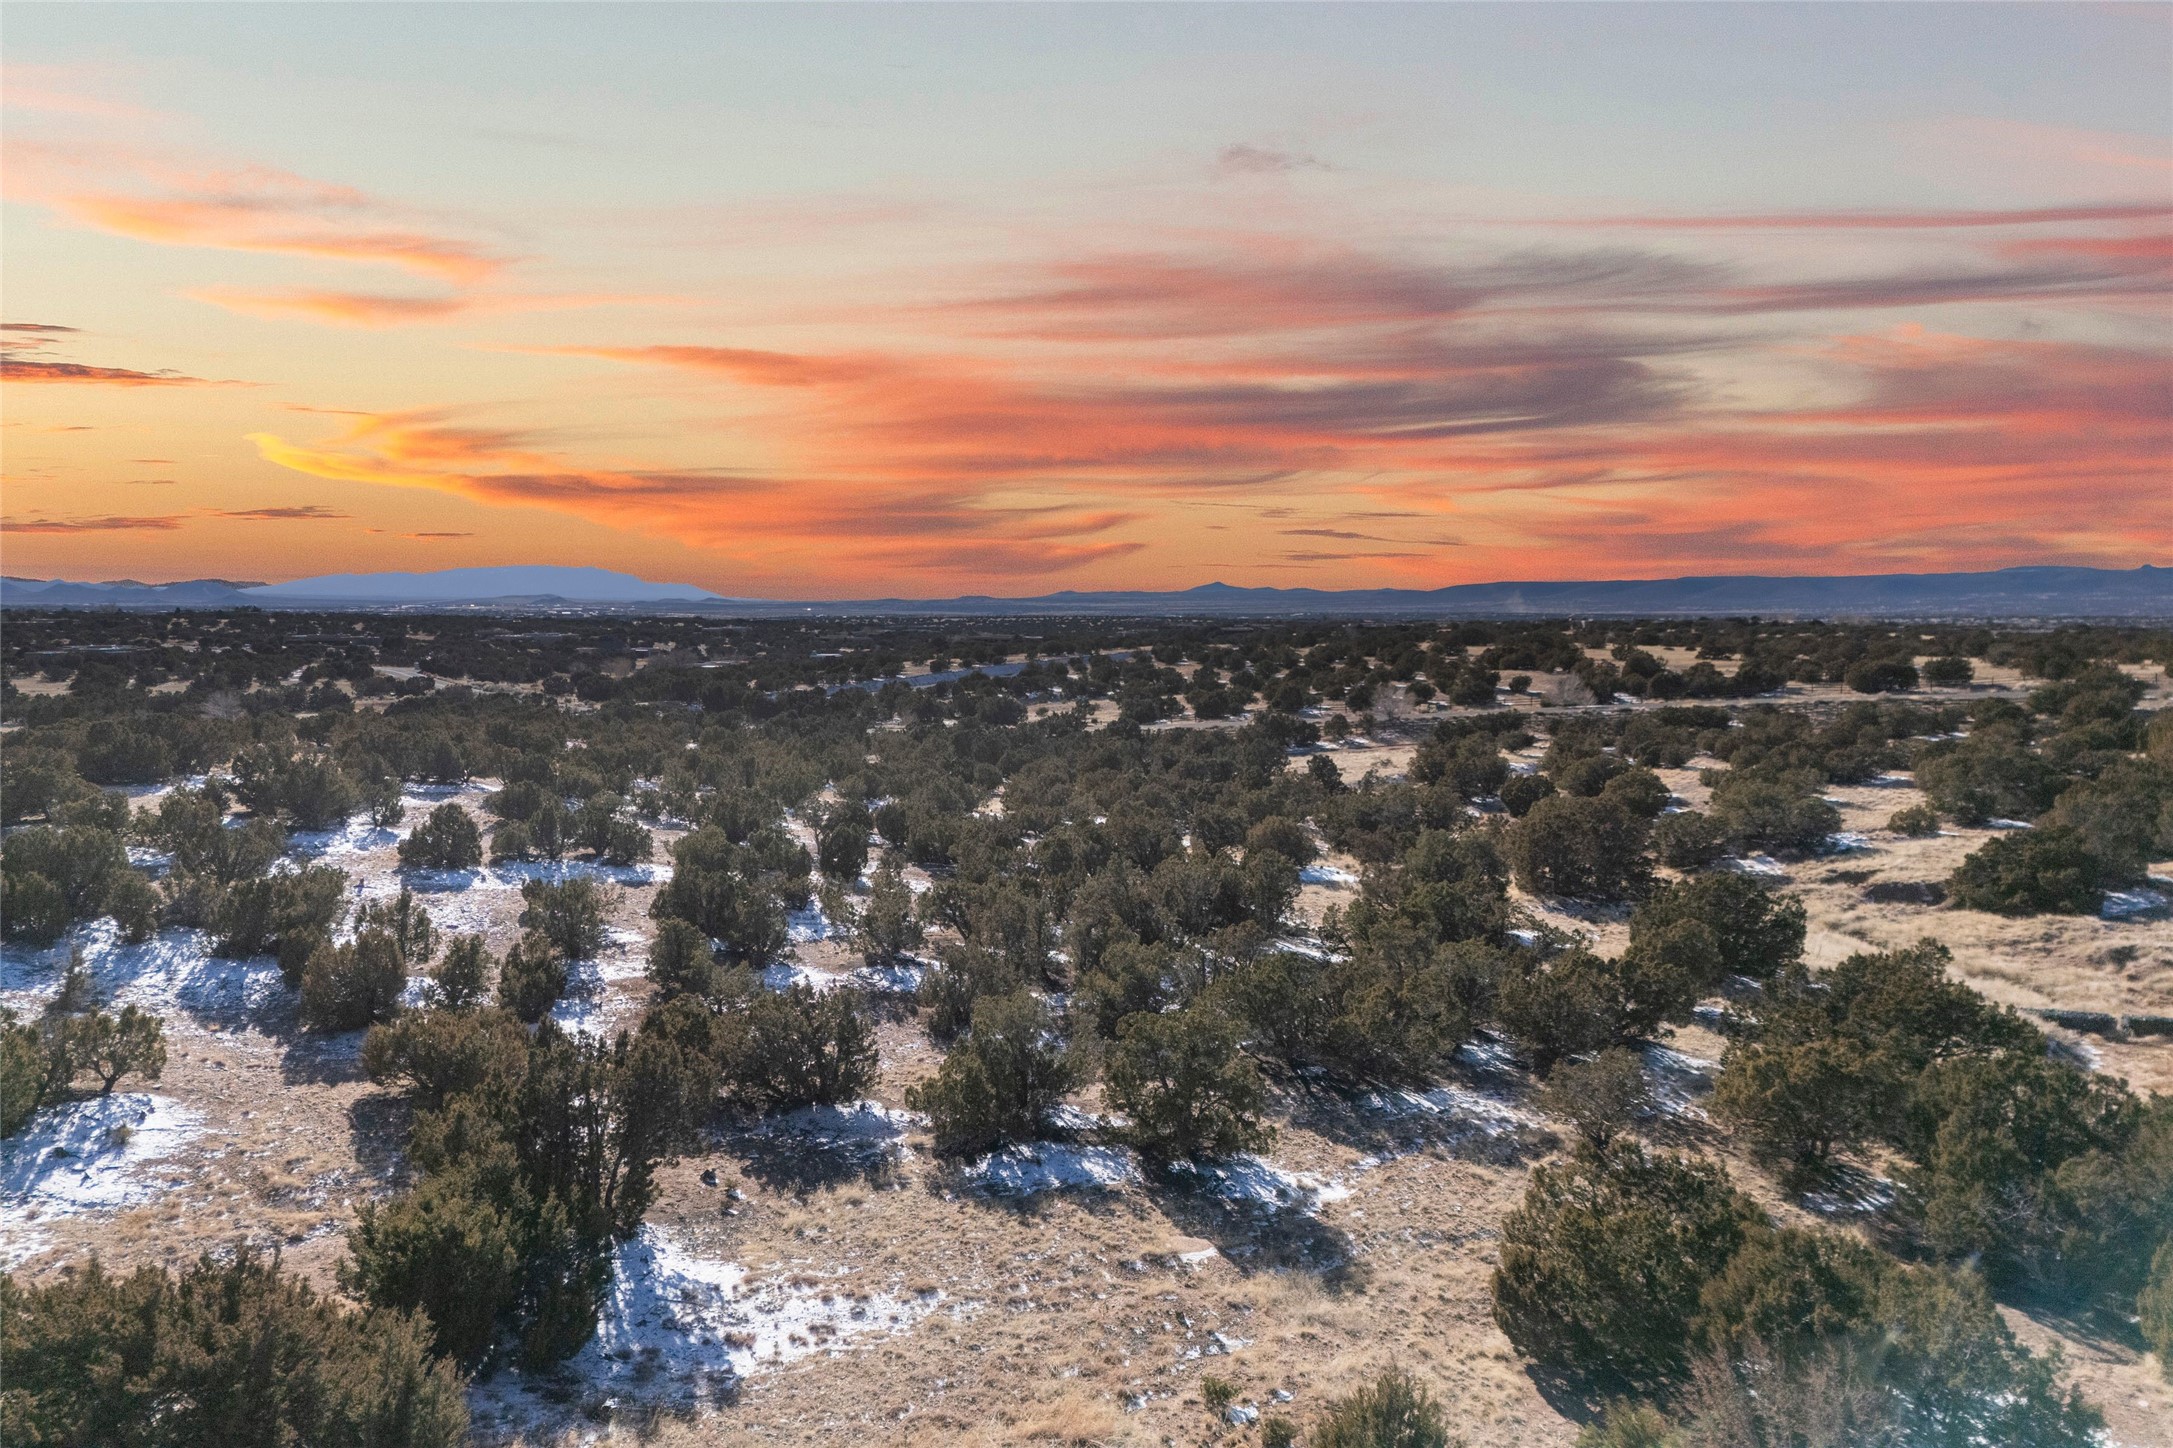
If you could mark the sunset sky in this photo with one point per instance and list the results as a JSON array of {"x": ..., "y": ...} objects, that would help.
[{"x": 814, "y": 301}]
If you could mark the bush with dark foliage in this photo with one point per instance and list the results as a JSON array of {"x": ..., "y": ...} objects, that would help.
[
  {"x": 999, "y": 1083},
  {"x": 447, "y": 839},
  {"x": 2045, "y": 871},
  {"x": 228, "y": 1351},
  {"x": 1185, "y": 1085}
]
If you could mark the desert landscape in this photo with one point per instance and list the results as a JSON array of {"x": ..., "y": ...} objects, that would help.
[{"x": 825, "y": 1274}]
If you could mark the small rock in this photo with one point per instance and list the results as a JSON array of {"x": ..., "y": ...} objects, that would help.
[{"x": 709, "y": 1177}]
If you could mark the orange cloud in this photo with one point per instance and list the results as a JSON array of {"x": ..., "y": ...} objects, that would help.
[
  {"x": 24, "y": 369},
  {"x": 276, "y": 224},
  {"x": 1598, "y": 407},
  {"x": 371, "y": 309},
  {"x": 92, "y": 525},
  {"x": 1589, "y": 447},
  {"x": 249, "y": 209},
  {"x": 741, "y": 364},
  {"x": 285, "y": 513},
  {"x": 820, "y": 529},
  {"x": 1957, "y": 452},
  {"x": 349, "y": 309}
]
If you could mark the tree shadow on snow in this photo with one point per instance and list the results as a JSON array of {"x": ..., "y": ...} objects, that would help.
[
  {"x": 803, "y": 1158},
  {"x": 1255, "y": 1236},
  {"x": 1467, "y": 1116},
  {"x": 377, "y": 1129},
  {"x": 312, "y": 1058}
]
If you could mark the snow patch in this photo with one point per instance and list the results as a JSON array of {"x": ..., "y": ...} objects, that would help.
[
  {"x": 19, "y": 1243},
  {"x": 93, "y": 1155},
  {"x": 470, "y": 902},
  {"x": 1678, "y": 1080},
  {"x": 173, "y": 974},
  {"x": 1488, "y": 1055},
  {"x": 1063, "y": 1117},
  {"x": 1460, "y": 1105},
  {"x": 783, "y": 975},
  {"x": 1852, "y": 1193},
  {"x": 1254, "y": 1179},
  {"x": 1327, "y": 875},
  {"x": 2127, "y": 904},
  {"x": 1764, "y": 865},
  {"x": 805, "y": 927},
  {"x": 154, "y": 863},
  {"x": 854, "y": 1121},
  {"x": 1044, "y": 1166},
  {"x": 677, "y": 1324},
  {"x": 896, "y": 977},
  {"x": 587, "y": 1008},
  {"x": 357, "y": 837}
]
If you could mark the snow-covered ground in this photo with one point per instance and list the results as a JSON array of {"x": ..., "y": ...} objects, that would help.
[
  {"x": 586, "y": 1009},
  {"x": 1327, "y": 875},
  {"x": 1488, "y": 1055},
  {"x": 92, "y": 1155},
  {"x": 1256, "y": 1180},
  {"x": 2128, "y": 904},
  {"x": 469, "y": 902},
  {"x": 1456, "y": 1106},
  {"x": 857, "y": 1121},
  {"x": 894, "y": 977},
  {"x": 173, "y": 974},
  {"x": 1678, "y": 1080},
  {"x": 805, "y": 927},
  {"x": 1850, "y": 1192},
  {"x": 1047, "y": 1166},
  {"x": 785, "y": 974},
  {"x": 683, "y": 1330}
]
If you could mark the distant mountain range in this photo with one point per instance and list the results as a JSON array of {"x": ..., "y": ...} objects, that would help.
[
  {"x": 2145, "y": 592},
  {"x": 471, "y": 585},
  {"x": 513, "y": 588}
]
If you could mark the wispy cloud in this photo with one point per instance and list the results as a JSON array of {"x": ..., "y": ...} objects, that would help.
[
  {"x": 291, "y": 513},
  {"x": 106, "y": 524},
  {"x": 26, "y": 369},
  {"x": 1842, "y": 220},
  {"x": 32, "y": 334},
  {"x": 379, "y": 310},
  {"x": 1250, "y": 160},
  {"x": 148, "y": 196},
  {"x": 942, "y": 529}
]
